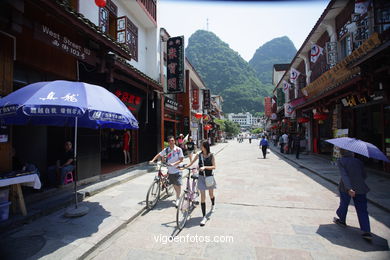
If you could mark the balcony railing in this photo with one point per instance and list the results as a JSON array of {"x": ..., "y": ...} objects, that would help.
[{"x": 150, "y": 7}]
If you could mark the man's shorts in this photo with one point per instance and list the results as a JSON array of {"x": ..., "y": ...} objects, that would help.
[{"x": 175, "y": 178}]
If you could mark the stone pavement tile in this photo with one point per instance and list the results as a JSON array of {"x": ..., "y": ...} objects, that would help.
[
  {"x": 300, "y": 242},
  {"x": 229, "y": 251},
  {"x": 305, "y": 230},
  {"x": 137, "y": 254},
  {"x": 281, "y": 254}
]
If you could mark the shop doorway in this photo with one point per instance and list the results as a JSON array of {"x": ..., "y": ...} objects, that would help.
[{"x": 112, "y": 157}]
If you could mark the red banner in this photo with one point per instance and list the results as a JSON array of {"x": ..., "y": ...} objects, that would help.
[
  {"x": 195, "y": 98},
  {"x": 267, "y": 106}
]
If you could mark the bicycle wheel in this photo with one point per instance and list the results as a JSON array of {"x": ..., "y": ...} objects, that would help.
[
  {"x": 153, "y": 195},
  {"x": 183, "y": 211}
]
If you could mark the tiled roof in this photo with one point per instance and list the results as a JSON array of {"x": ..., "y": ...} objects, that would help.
[{"x": 143, "y": 75}]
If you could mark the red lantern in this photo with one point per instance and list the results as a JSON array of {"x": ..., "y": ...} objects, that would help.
[
  {"x": 303, "y": 120},
  {"x": 101, "y": 3},
  {"x": 198, "y": 115}
]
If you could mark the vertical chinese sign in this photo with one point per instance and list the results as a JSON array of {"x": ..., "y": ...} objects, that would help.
[
  {"x": 175, "y": 65},
  {"x": 206, "y": 99},
  {"x": 267, "y": 106},
  {"x": 195, "y": 98}
]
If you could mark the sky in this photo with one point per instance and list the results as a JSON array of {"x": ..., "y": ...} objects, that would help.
[{"x": 244, "y": 25}]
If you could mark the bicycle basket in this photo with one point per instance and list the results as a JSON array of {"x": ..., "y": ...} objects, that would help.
[{"x": 164, "y": 170}]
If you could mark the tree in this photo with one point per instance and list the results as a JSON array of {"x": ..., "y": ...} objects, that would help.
[
  {"x": 257, "y": 131},
  {"x": 231, "y": 128}
]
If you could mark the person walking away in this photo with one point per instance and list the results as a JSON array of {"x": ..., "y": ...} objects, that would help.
[
  {"x": 281, "y": 143},
  {"x": 352, "y": 185},
  {"x": 264, "y": 145},
  {"x": 190, "y": 147},
  {"x": 206, "y": 166},
  {"x": 174, "y": 156},
  {"x": 126, "y": 146},
  {"x": 297, "y": 145},
  {"x": 250, "y": 139},
  {"x": 274, "y": 139}
]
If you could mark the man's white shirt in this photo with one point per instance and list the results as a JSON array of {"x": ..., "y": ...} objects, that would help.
[
  {"x": 285, "y": 138},
  {"x": 173, "y": 156}
]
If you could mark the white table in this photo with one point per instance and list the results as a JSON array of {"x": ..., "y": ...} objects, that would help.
[{"x": 31, "y": 180}]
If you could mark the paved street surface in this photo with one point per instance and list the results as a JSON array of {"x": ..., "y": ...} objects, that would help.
[{"x": 266, "y": 209}]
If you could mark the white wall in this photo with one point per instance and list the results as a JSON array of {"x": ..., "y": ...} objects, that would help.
[
  {"x": 277, "y": 76},
  {"x": 147, "y": 38}
]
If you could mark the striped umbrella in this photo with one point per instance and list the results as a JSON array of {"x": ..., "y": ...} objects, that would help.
[{"x": 358, "y": 146}]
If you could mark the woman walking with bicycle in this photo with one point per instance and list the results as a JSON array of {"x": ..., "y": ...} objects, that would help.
[
  {"x": 174, "y": 156},
  {"x": 206, "y": 180}
]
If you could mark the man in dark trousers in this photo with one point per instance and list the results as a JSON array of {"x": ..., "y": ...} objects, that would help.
[
  {"x": 297, "y": 144},
  {"x": 352, "y": 185},
  {"x": 264, "y": 145}
]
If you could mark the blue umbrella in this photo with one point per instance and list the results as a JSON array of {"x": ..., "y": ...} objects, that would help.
[
  {"x": 60, "y": 102},
  {"x": 66, "y": 103},
  {"x": 358, "y": 146}
]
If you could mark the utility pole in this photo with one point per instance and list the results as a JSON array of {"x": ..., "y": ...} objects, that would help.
[{"x": 207, "y": 24}]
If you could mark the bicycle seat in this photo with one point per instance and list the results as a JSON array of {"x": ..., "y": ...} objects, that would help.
[{"x": 194, "y": 177}]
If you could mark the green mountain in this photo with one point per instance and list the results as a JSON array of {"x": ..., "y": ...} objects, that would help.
[
  {"x": 277, "y": 51},
  {"x": 226, "y": 73}
]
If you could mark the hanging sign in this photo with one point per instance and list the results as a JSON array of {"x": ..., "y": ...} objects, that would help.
[
  {"x": 195, "y": 98},
  {"x": 267, "y": 106},
  {"x": 170, "y": 103},
  {"x": 133, "y": 102},
  {"x": 206, "y": 99},
  {"x": 175, "y": 65}
]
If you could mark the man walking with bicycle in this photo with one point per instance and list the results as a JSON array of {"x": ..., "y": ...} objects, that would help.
[{"x": 174, "y": 156}]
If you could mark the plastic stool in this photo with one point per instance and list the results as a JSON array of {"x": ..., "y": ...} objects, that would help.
[{"x": 68, "y": 178}]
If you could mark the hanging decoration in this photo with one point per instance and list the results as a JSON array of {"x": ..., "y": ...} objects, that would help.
[
  {"x": 207, "y": 127},
  {"x": 315, "y": 52},
  {"x": 101, "y": 3},
  {"x": 198, "y": 115}
]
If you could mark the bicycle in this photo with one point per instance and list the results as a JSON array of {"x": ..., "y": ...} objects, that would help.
[
  {"x": 187, "y": 199},
  {"x": 160, "y": 182}
]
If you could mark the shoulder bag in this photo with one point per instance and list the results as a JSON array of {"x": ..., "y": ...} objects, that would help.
[{"x": 209, "y": 180}]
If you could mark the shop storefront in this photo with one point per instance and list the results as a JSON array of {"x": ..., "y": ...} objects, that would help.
[{"x": 42, "y": 47}]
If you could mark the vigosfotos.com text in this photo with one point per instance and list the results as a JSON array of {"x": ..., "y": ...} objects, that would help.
[{"x": 164, "y": 239}]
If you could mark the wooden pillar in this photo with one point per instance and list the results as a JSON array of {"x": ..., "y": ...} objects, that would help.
[{"x": 6, "y": 87}]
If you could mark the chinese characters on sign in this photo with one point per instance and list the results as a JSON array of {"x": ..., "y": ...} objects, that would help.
[
  {"x": 206, "y": 98},
  {"x": 171, "y": 104},
  {"x": 267, "y": 106},
  {"x": 175, "y": 64},
  {"x": 331, "y": 53},
  {"x": 132, "y": 102},
  {"x": 362, "y": 100},
  {"x": 195, "y": 98}
]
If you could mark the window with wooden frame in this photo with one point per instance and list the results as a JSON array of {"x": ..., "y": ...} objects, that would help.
[
  {"x": 382, "y": 15},
  {"x": 107, "y": 19},
  {"x": 127, "y": 33}
]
